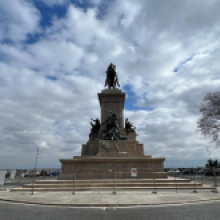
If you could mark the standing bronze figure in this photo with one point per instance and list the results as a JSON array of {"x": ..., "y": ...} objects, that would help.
[
  {"x": 129, "y": 128},
  {"x": 95, "y": 127},
  {"x": 111, "y": 76}
]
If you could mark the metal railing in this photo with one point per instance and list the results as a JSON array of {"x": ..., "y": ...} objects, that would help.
[
  {"x": 194, "y": 175},
  {"x": 115, "y": 176}
]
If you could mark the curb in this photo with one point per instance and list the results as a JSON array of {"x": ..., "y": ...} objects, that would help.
[{"x": 108, "y": 205}]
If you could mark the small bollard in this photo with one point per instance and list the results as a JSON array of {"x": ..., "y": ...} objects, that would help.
[
  {"x": 155, "y": 183},
  {"x": 215, "y": 183},
  {"x": 175, "y": 182},
  {"x": 194, "y": 191},
  {"x": 20, "y": 179},
  {"x": 74, "y": 182},
  {"x": 114, "y": 190},
  {"x": 33, "y": 182}
]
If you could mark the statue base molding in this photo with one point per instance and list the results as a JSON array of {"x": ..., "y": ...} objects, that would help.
[{"x": 95, "y": 167}]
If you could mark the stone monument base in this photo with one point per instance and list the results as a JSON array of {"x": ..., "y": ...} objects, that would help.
[
  {"x": 93, "y": 167},
  {"x": 112, "y": 154}
]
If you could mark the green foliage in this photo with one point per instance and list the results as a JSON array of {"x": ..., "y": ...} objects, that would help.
[{"x": 212, "y": 164}]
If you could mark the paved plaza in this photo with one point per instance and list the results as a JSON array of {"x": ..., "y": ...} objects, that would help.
[
  {"x": 122, "y": 198},
  {"x": 106, "y": 198}
]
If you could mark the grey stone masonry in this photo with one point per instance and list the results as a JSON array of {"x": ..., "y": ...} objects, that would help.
[
  {"x": 113, "y": 100},
  {"x": 131, "y": 146}
]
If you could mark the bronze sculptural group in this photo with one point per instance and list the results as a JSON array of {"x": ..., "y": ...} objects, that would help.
[
  {"x": 111, "y": 127},
  {"x": 112, "y": 130}
]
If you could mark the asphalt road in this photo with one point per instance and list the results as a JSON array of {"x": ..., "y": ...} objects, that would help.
[{"x": 200, "y": 211}]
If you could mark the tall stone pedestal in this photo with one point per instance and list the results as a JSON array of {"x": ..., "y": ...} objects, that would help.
[
  {"x": 102, "y": 167},
  {"x": 112, "y": 100},
  {"x": 100, "y": 157}
]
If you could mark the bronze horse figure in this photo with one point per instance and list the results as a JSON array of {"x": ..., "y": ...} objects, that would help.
[{"x": 111, "y": 77}]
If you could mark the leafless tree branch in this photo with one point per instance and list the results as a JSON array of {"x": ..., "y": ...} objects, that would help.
[{"x": 209, "y": 124}]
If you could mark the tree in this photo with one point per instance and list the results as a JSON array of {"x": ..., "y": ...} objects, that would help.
[
  {"x": 209, "y": 123},
  {"x": 212, "y": 164}
]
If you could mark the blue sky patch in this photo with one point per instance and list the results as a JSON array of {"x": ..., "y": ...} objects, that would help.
[
  {"x": 182, "y": 63},
  {"x": 53, "y": 78},
  {"x": 47, "y": 13},
  {"x": 7, "y": 41},
  {"x": 131, "y": 98},
  {"x": 32, "y": 38}
]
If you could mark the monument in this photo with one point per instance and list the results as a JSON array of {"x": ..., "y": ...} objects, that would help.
[
  {"x": 112, "y": 153},
  {"x": 112, "y": 144}
]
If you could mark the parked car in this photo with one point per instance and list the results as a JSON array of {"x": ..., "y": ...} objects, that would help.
[
  {"x": 173, "y": 171},
  {"x": 189, "y": 171},
  {"x": 32, "y": 173},
  {"x": 202, "y": 171},
  {"x": 54, "y": 173},
  {"x": 44, "y": 173},
  {"x": 7, "y": 175},
  {"x": 209, "y": 172}
]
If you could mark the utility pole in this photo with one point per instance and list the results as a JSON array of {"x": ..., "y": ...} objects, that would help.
[
  {"x": 34, "y": 172},
  {"x": 207, "y": 150}
]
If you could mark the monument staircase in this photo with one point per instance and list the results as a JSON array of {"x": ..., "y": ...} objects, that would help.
[{"x": 108, "y": 185}]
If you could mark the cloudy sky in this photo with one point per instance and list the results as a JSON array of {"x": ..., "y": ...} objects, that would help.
[{"x": 53, "y": 58}]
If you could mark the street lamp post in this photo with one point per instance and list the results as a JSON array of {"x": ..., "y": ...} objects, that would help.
[
  {"x": 207, "y": 150},
  {"x": 34, "y": 171}
]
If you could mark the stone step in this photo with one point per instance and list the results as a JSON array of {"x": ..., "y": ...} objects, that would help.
[
  {"x": 108, "y": 188},
  {"x": 107, "y": 184},
  {"x": 111, "y": 180},
  {"x": 111, "y": 185},
  {"x": 81, "y": 175}
]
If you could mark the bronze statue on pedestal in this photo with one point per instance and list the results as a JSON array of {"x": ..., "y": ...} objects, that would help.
[
  {"x": 111, "y": 77},
  {"x": 129, "y": 126},
  {"x": 95, "y": 127}
]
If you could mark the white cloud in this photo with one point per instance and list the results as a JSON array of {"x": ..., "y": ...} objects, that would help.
[
  {"x": 147, "y": 41},
  {"x": 42, "y": 144},
  {"x": 18, "y": 18}
]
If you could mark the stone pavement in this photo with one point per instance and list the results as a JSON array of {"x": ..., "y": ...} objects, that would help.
[{"x": 106, "y": 198}]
